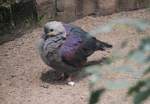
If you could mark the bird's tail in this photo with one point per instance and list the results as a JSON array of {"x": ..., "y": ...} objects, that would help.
[{"x": 102, "y": 45}]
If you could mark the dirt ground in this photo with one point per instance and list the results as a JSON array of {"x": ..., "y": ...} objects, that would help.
[{"x": 24, "y": 78}]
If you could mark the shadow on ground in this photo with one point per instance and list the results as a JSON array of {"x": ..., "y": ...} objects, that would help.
[{"x": 54, "y": 77}]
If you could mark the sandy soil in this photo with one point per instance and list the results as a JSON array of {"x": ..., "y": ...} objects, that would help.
[{"x": 25, "y": 79}]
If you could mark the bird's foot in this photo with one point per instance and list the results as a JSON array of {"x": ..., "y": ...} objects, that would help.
[
  {"x": 62, "y": 77},
  {"x": 68, "y": 78},
  {"x": 70, "y": 81}
]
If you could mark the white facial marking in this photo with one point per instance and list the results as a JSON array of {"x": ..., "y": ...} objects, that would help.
[{"x": 57, "y": 28}]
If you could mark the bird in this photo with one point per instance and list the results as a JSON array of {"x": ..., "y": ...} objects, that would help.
[{"x": 66, "y": 47}]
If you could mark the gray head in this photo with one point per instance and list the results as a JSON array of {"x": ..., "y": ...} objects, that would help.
[{"x": 54, "y": 28}]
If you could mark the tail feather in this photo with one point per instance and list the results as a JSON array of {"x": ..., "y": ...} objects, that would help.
[{"x": 102, "y": 45}]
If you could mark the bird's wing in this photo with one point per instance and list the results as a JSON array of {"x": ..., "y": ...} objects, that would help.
[{"x": 77, "y": 47}]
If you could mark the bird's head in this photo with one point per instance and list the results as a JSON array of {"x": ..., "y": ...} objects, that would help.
[{"x": 54, "y": 28}]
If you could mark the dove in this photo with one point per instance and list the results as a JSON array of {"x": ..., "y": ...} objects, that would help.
[{"x": 66, "y": 47}]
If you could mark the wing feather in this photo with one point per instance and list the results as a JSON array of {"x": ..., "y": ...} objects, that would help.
[{"x": 77, "y": 47}]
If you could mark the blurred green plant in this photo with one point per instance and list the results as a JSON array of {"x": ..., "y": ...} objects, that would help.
[
  {"x": 138, "y": 24},
  {"x": 141, "y": 55},
  {"x": 95, "y": 95},
  {"x": 141, "y": 91}
]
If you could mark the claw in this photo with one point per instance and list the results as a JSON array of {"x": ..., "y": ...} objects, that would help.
[{"x": 71, "y": 83}]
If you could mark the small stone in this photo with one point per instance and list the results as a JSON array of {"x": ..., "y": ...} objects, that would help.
[
  {"x": 12, "y": 76},
  {"x": 44, "y": 86}
]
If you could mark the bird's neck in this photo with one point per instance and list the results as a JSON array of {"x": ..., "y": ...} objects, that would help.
[{"x": 45, "y": 37}]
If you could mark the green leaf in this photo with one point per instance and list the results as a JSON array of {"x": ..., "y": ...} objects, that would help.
[
  {"x": 94, "y": 79},
  {"x": 117, "y": 84},
  {"x": 94, "y": 69},
  {"x": 123, "y": 69},
  {"x": 145, "y": 44},
  {"x": 94, "y": 72},
  {"x": 141, "y": 96},
  {"x": 95, "y": 95},
  {"x": 136, "y": 88},
  {"x": 137, "y": 56},
  {"x": 139, "y": 86},
  {"x": 147, "y": 71},
  {"x": 108, "y": 61},
  {"x": 147, "y": 59},
  {"x": 139, "y": 25}
]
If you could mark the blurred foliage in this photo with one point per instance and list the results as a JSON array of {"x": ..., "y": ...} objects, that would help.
[
  {"x": 94, "y": 96},
  {"x": 141, "y": 91},
  {"x": 141, "y": 55},
  {"x": 7, "y": 3},
  {"x": 16, "y": 16},
  {"x": 138, "y": 24}
]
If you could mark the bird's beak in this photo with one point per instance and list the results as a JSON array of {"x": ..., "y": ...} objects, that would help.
[{"x": 52, "y": 34}]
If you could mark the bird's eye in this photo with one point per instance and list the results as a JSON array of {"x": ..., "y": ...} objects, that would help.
[{"x": 51, "y": 30}]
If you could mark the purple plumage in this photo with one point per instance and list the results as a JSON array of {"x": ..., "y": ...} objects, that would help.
[
  {"x": 69, "y": 49},
  {"x": 71, "y": 45},
  {"x": 78, "y": 46}
]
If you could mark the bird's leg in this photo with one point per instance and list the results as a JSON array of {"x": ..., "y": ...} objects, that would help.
[
  {"x": 70, "y": 80},
  {"x": 62, "y": 76}
]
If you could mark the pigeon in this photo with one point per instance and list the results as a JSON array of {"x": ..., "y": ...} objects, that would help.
[{"x": 66, "y": 47}]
